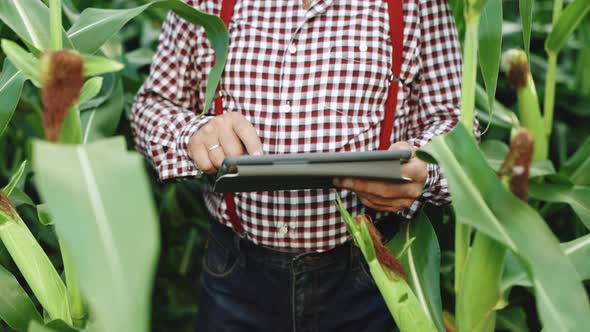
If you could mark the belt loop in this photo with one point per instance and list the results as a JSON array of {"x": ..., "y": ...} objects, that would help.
[{"x": 237, "y": 242}]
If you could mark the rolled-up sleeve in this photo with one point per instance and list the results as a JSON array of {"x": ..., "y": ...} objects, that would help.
[{"x": 165, "y": 114}]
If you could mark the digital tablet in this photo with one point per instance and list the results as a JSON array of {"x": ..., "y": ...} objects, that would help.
[{"x": 307, "y": 171}]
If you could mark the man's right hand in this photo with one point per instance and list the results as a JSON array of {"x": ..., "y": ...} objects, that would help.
[{"x": 226, "y": 135}]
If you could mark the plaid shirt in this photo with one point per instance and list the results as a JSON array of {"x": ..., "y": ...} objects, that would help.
[{"x": 312, "y": 80}]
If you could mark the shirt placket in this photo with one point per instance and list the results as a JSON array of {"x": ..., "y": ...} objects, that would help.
[{"x": 288, "y": 110}]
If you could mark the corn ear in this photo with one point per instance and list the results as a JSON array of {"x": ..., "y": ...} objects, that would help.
[
  {"x": 516, "y": 66},
  {"x": 33, "y": 263},
  {"x": 397, "y": 294}
]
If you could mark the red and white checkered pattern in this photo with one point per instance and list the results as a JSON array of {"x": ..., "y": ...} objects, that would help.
[{"x": 310, "y": 81}]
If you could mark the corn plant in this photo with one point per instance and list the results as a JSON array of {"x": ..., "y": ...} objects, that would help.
[{"x": 96, "y": 194}]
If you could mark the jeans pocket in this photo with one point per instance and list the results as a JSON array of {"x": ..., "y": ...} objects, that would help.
[{"x": 219, "y": 261}]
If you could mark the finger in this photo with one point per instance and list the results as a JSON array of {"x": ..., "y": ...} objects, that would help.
[
  {"x": 388, "y": 190},
  {"x": 247, "y": 134},
  {"x": 393, "y": 206},
  {"x": 230, "y": 142},
  {"x": 415, "y": 169},
  {"x": 214, "y": 149},
  {"x": 403, "y": 146},
  {"x": 399, "y": 203},
  {"x": 201, "y": 159},
  {"x": 375, "y": 206}
]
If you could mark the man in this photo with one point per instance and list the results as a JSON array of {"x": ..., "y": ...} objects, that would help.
[{"x": 302, "y": 76}]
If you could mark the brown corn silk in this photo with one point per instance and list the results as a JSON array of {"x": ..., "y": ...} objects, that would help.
[
  {"x": 62, "y": 80},
  {"x": 518, "y": 162},
  {"x": 6, "y": 206},
  {"x": 385, "y": 257},
  {"x": 516, "y": 66}
]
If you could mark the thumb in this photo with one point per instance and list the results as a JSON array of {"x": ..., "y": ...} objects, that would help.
[{"x": 403, "y": 146}]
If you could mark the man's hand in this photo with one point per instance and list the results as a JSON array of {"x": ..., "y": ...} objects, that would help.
[
  {"x": 225, "y": 135},
  {"x": 390, "y": 196}
]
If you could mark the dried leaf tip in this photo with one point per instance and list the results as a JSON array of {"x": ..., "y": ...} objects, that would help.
[
  {"x": 6, "y": 207},
  {"x": 515, "y": 65},
  {"x": 385, "y": 257},
  {"x": 518, "y": 162},
  {"x": 62, "y": 78}
]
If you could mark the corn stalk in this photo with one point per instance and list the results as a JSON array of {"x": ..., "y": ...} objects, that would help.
[
  {"x": 549, "y": 103},
  {"x": 472, "y": 14},
  {"x": 564, "y": 24}
]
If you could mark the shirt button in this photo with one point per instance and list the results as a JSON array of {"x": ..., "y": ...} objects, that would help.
[
  {"x": 283, "y": 231},
  {"x": 292, "y": 49},
  {"x": 286, "y": 108},
  {"x": 363, "y": 47}
]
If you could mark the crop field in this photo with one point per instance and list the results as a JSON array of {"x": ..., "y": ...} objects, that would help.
[{"x": 90, "y": 240}]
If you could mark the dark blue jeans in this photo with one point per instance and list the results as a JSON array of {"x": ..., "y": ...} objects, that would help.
[{"x": 251, "y": 288}]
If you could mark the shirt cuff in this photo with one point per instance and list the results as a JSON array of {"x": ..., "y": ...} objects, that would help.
[
  {"x": 187, "y": 132},
  {"x": 174, "y": 163}
]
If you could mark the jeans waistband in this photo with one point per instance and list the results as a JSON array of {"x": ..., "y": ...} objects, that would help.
[{"x": 346, "y": 253}]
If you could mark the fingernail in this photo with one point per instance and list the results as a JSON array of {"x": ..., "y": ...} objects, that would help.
[{"x": 258, "y": 153}]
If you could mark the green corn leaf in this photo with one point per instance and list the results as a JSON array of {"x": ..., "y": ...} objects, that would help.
[
  {"x": 566, "y": 25},
  {"x": 499, "y": 115},
  {"x": 490, "y": 43},
  {"x": 53, "y": 326},
  {"x": 577, "y": 252},
  {"x": 19, "y": 197},
  {"x": 512, "y": 320},
  {"x": 24, "y": 61},
  {"x": 108, "y": 84},
  {"x": 99, "y": 65},
  {"x": 102, "y": 121},
  {"x": 577, "y": 168},
  {"x": 16, "y": 308},
  {"x": 90, "y": 89},
  {"x": 100, "y": 198},
  {"x": 422, "y": 264},
  {"x": 562, "y": 191},
  {"x": 481, "y": 201},
  {"x": 12, "y": 81},
  {"x": 95, "y": 26},
  {"x": 43, "y": 215},
  {"x": 16, "y": 177},
  {"x": 526, "y": 15},
  {"x": 29, "y": 19}
]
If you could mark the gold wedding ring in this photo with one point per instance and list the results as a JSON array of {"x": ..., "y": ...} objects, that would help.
[{"x": 216, "y": 146}]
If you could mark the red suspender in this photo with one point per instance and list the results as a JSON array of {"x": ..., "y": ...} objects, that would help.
[
  {"x": 227, "y": 9},
  {"x": 396, "y": 30}
]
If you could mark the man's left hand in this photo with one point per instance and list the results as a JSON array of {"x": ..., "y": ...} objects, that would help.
[{"x": 390, "y": 196}]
